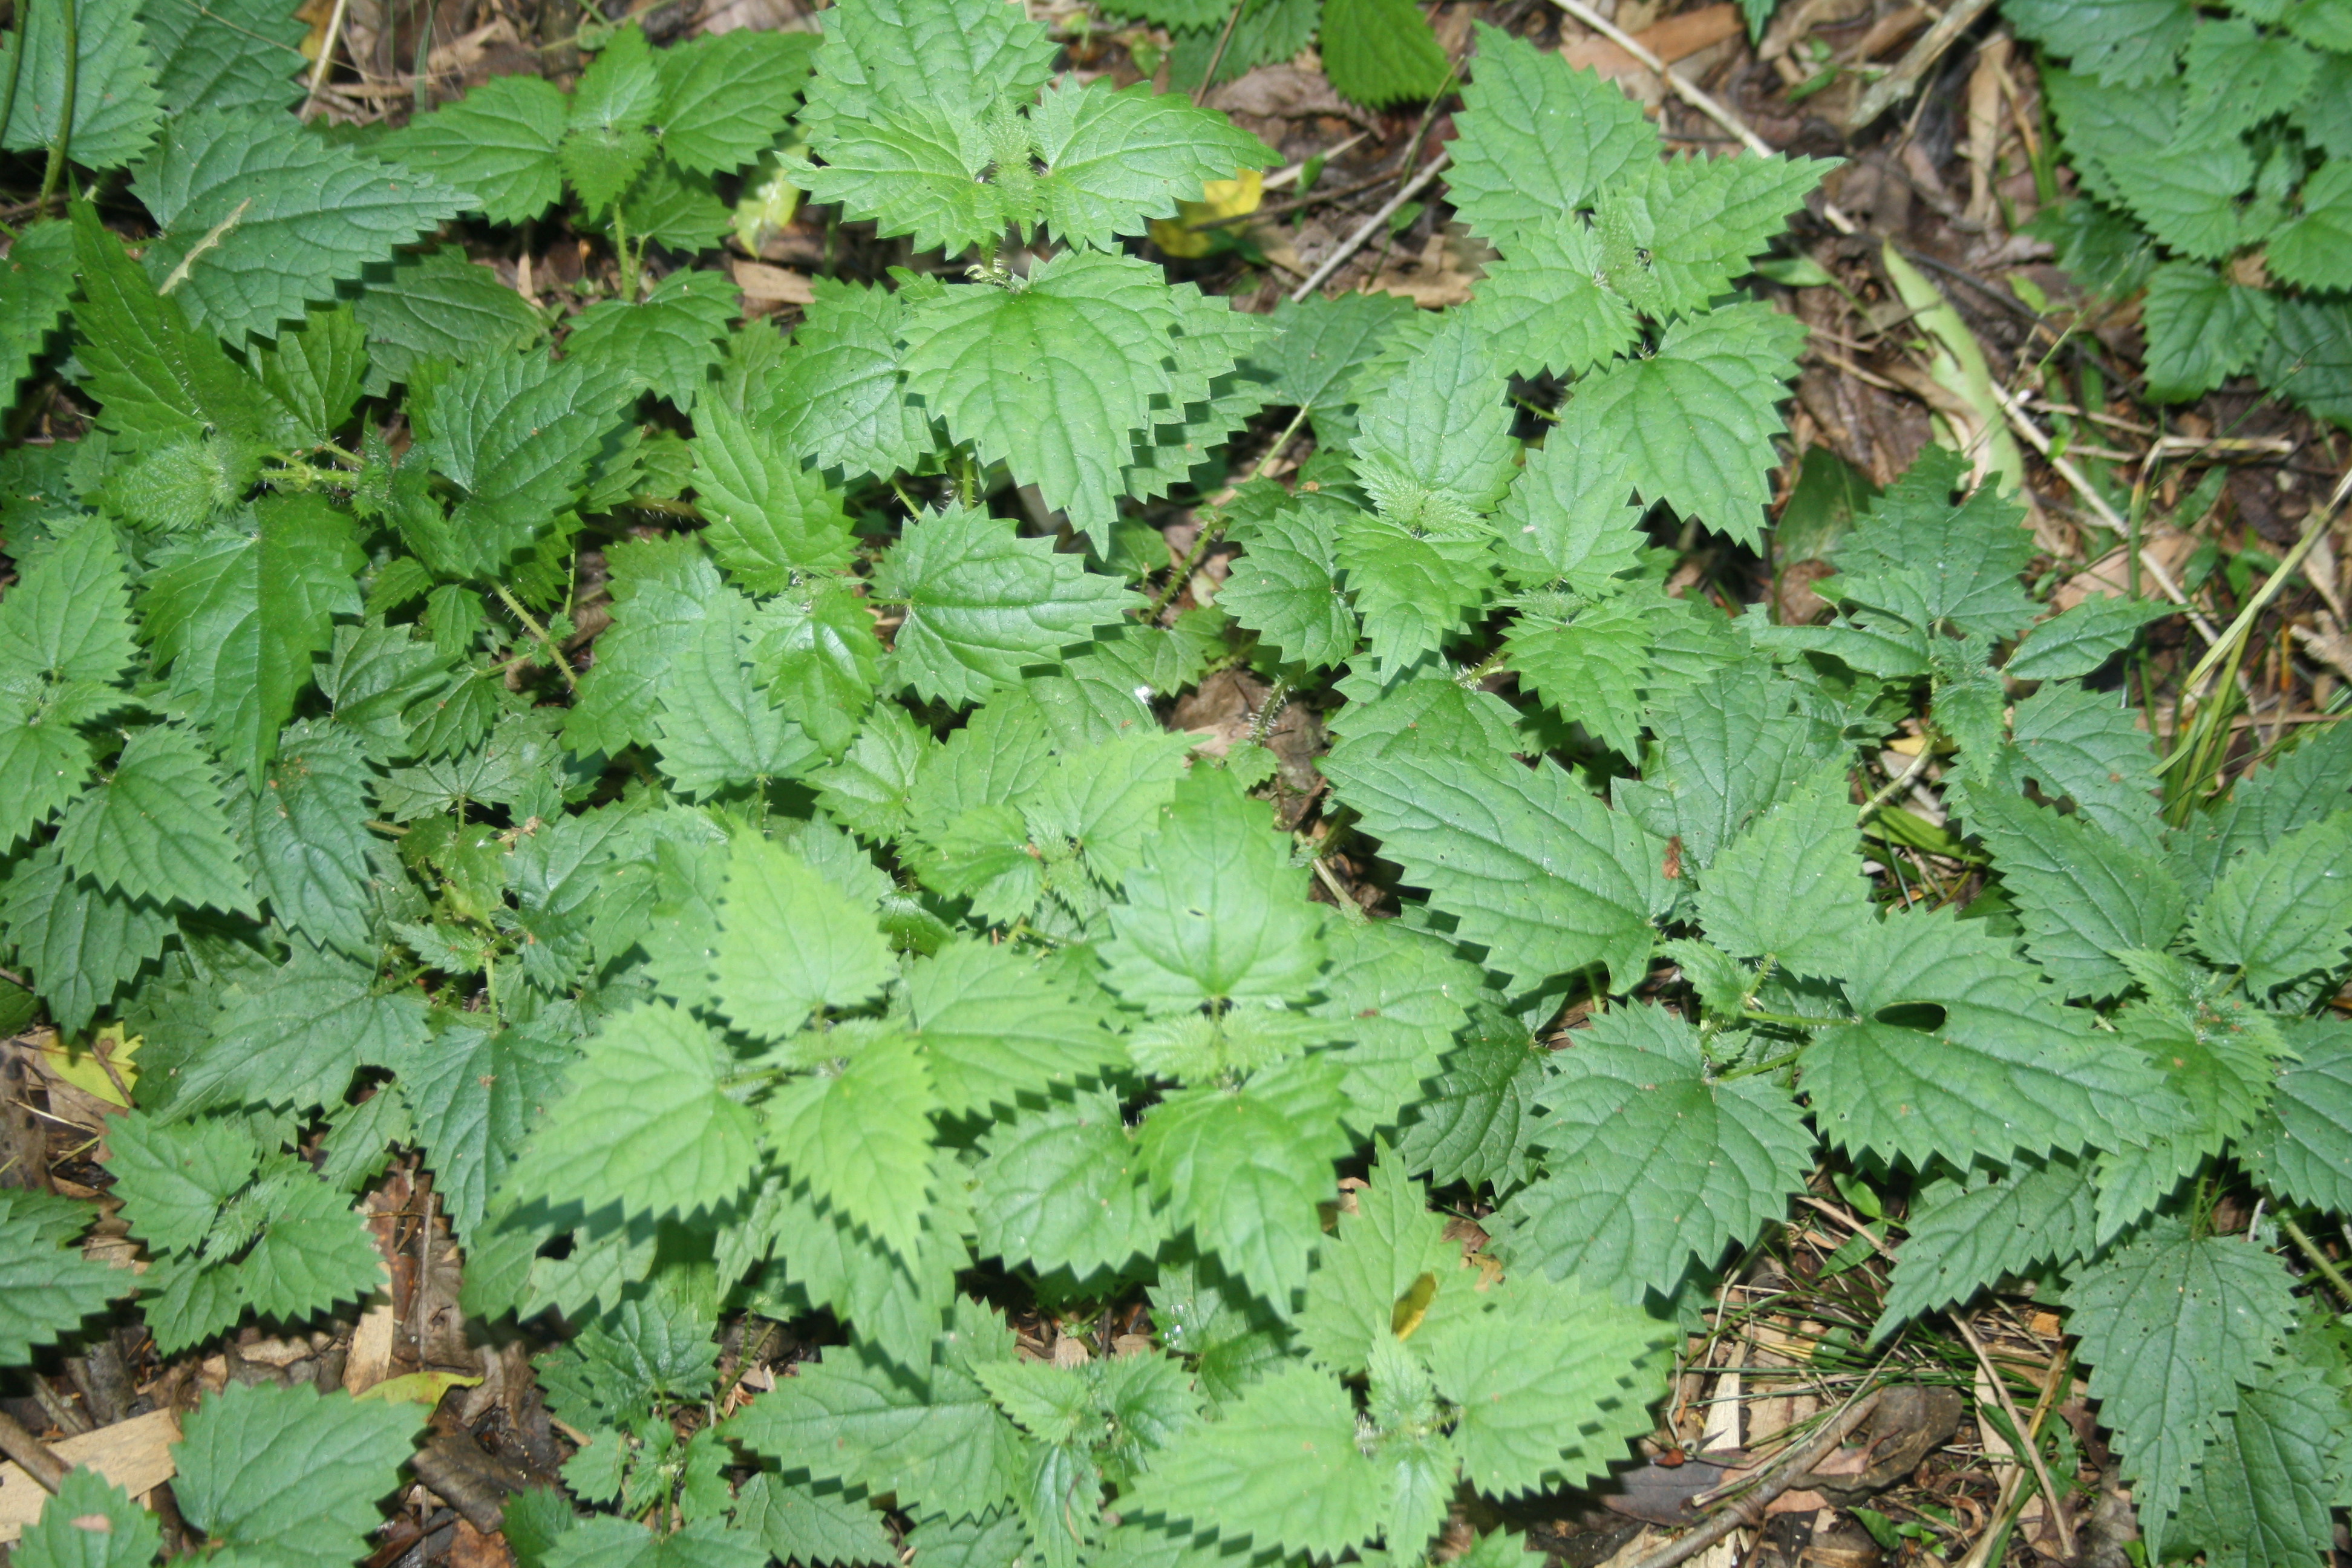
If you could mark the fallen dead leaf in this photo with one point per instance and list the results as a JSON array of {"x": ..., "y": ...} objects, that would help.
[
  {"x": 765, "y": 285},
  {"x": 2110, "y": 576},
  {"x": 370, "y": 1362},
  {"x": 1676, "y": 38}
]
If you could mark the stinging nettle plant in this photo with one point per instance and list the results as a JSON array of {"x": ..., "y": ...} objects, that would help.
[{"x": 851, "y": 938}]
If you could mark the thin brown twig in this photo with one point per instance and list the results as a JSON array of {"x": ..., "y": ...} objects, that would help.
[
  {"x": 33, "y": 1455},
  {"x": 1786, "y": 1472},
  {"x": 2017, "y": 1425},
  {"x": 1372, "y": 226},
  {"x": 1217, "y": 60}
]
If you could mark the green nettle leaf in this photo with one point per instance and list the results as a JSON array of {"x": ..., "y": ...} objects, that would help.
[
  {"x": 1649, "y": 1163},
  {"x": 1786, "y": 888},
  {"x": 645, "y": 1123},
  {"x": 2173, "y": 1325},
  {"x": 1962, "y": 1049},
  {"x": 1279, "y": 1469},
  {"x": 291, "y": 1475},
  {"x": 606, "y": 143},
  {"x": 1215, "y": 912},
  {"x": 157, "y": 379},
  {"x": 310, "y": 840},
  {"x": 994, "y": 1026},
  {"x": 239, "y": 615},
  {"x": 2284, "y": 915},
  {"x": 1285, "y": 588},
  {"x": 2089, "y": 747},
  {"x": 2125, "y": 42},
  {"x": 726, "y": 96},
  {"x": 1966, "y": 1238},
  {"x": 2077, "y": 642},
  {"x": 1246, "y": 1168},
  {"x": 1062, "y": 1188},
  {"x": 790, "y": 942},
  {"x": 498, "y": 141},
  {"x": 1386, "y": 1260},
  {"x": 1378, "y": 51},
  {"x": 2310, "y": 250},
  {"x": 1050, "y": 378},
  {"x": 2302, "y": 1146},
  {"x": 46, "y": 1287},
  {"x": 437, "y": 305},
  {"x": 1538, "y": 138},
  {"x": 294, "y": 1041},
  {"x": 1325, "y": 341},
  {"x": 1673, "y": 234},
  {"x": 115, "y": 105},
  {"x": 859, "y": 1133},
  {"x": 476, "y": 1094},
  {"x": 2081, "y": 895},
  {"x": 90, "y": 1524},
  {"x": 1477, "y": 1121},
  {"x": 1917, "y": 554},
  {"x": 982, "y": 603},
  {"x": 225, "y": 54},
  {"x": 669, "y": 343},
  {"x": 662, "y": 592},
  {"x": 1434, "y": 445},
  {"x": 935, "y": 1438},
  {"x": 34, "y": 286},
  {"x": 516, "y": 433},
  {"x": 1546, "y": 305},
  {"x": 260, "y": 219},
  {"x": 1697, "y": 419},
  {"x": 2202, "y": 328},
  {"x": 80, "y": 940},
  {"x": 2263, "y": 1491},
  {"x": 157, "y": 829},
  {"x": 835, "y": 394},
  {"x": 799, "y": 1522},
  {"x": 770, "y": 519},
  {"x": 818, "y": 655},
  {"x": 1114, "y": 159},
  {"x": 1533, "y": 867}
]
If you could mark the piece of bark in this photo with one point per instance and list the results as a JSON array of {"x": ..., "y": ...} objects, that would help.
[{"x": 135, "y": 1455}]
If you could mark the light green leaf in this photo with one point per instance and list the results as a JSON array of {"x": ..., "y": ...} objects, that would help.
[
  {"x": 1114, "y": 160},
  {"x": 1532, "y": 866},
  {"x": 35, "y": 283},
  {"x": 157, "y": 829},
  {"x": 2311, "y": 251},
  {"x": 2081, "y": 895},
  {"x": 2237, "y": 78},
  {"x": 1049, "y": 379},
  {"x": 726, "y": 96},
  {"x": 90, "y": 1524},
  {"x": 1246, "y": 1169},
  {"x": 1548, "y": 305},
  {"x": 1789, "y": 886},
  {"x": 1380, "y": 51},
  {"x": 817, "y": 653},
  {"x": 1916, "y": 554},
  {"x": 260, "y": 219},
  {"x": 1537, "y": 138},
  {"x": 315, "y": 1249},
  {"x": 1590, "y": 668},
  {"x": 662, "y": 591},
  {"x": 1387, "y": 1268},
  {"x": 115, "y": 105},
  {"x": 515, "y": 432},
  {"x": 2173, "y": 1325},
  {"x": 2202, "y": 329},
  {"x": 862, "y": 1136},
  {"x": 289, "y": 1474},
  {"x": 238, "y": 617},
  {"x": 2076, "y": 642},
  {"x": 1325, "y": 341},
  {"x": 1400, "y": 995},
  {"x": 1964, "y": 1051},
  {"x": 835, "y": 395},
  {"x": 2302, "y": 1148},
  {"x": 2126, "y": 43},
  {"x": 1570, "y": 518},
  {"x": 790, "y": 942},
  {"x": 2088, "y": 746},
  {"x": 1651, "y": 1166},
  {"x": 1698, "y": 416},
  {"x": 935, "y": 1440},
  {"x": 994, "y": 1025},
  {"x": 1062, "y": 1188},
  {"x": 670, "y": 341},
  {"x": 1673, "y": 234},
  {"x": 606, "y": 143},
  {"x": 983, "y": 603},
  {"x": 1964, "y": 1240},
  {"x": 437, "y": 305},
  {"x": 1279, "y": 1469},
  {"x": 644, "y": 1123},
  {"x": 769, "y": 518},
  {"x": 1215, "y": 912},
  {"x": 225, "y": 54},
  {"x": 1434, "y": 445},
  {"x": 2286, "y": 914},
  {"x": 1477, "y": 1121},
  {"x": 498, "y": 141}
]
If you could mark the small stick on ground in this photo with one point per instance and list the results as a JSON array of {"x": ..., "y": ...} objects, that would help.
[
  {"x": 31, "y": 1454},
  {"x": 2017, "y": 1425},
  {"x": 1792, "y": 1467},
  {"x": 1372, "y": 226}
]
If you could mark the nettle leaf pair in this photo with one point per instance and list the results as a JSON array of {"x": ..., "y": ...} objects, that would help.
[
  {"x": 637, "y": 139},
  {"x": 2216, "y": 153}
]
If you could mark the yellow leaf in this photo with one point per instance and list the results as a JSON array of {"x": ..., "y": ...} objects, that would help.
[
  {"x": 770, "y": 201},
  {"x": 423, "y": 1388},
  {"x": 79, "y": 1064},
  {"x": 1237, "y": 197}
]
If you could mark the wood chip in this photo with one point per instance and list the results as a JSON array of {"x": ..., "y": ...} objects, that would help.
[
  {"x": 135, "y": 1455},
  {"x": 763, "y": 284},
  {"x": 370, "y": 1362}
]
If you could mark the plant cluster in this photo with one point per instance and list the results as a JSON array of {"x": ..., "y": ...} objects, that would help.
[
  {"x": 2213, "y": 152},
  {"x": 851, "y": 938}
]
